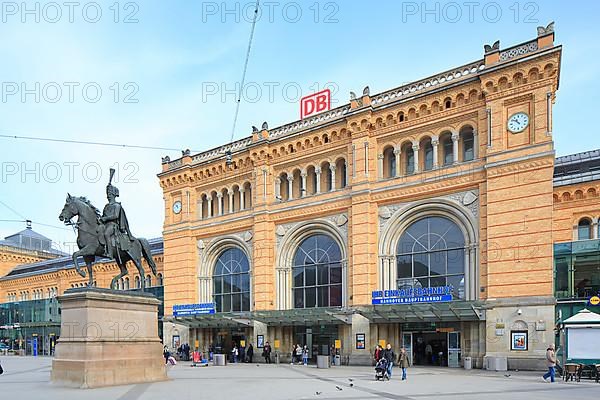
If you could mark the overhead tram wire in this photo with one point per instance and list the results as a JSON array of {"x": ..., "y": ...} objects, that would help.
[
  {"x": 56, "y": 140},
  {"x": 239, "y": 98}
]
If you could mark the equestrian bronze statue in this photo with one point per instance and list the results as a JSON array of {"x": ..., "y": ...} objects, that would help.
[{"x": 105, "y": 235}]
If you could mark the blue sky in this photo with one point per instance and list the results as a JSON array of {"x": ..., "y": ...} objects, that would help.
[{"x": 167, "y": 79}]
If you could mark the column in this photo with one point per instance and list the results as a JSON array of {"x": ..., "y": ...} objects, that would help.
[
  {"x": 318, "y": 173},
  {"x": 380, "y": 172},
  {"x": 278, "y": 188},
  {"x": 434, "y": 142},
  {"x": 398, "y": 154},
  {"x": 415, "y": 147},
  {"x": 230, "y": 194},
  {"x": 220, "y": 203},
  {"x": 209, "y": 207},
  {"x": 332, "y": 168},
  {"x": 199, "y": 207},
  {"x": 455, "y": 146},
  {"x": 242, "y": 199},
  {"x": 303, "y": 185},
  {"x": 594, "y": 228},
  {"x": 290, "y": 180}
]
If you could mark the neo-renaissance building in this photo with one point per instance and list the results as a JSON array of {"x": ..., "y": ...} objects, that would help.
[
  {"x": 434, "y": 216},
  {"x": 439, "y": 195}
]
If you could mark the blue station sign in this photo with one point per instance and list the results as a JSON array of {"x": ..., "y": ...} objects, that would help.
[
  {"x": 436, "y": 294},
  {"x": 180, "y": 310}
]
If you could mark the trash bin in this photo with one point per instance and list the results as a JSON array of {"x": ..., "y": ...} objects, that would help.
[
  {"x": 322, "y": 362},
  {"x": 219, "y": 360},
  {"x": 337, "y": 360},
  {"x": 468, "y": 362}
]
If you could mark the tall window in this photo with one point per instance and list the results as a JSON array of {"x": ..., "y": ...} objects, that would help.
[
  {"x": 448, "y": 151},
  {"x": 317, "y": 273},
  {"x": 231, "y": 281},
  {"x": 584, "y": 229},
  {"x": 428, "y": 156},
  {"x": 431, "y": 253},
  {"x": 468, "y": 145},
  {"x": 160, "y": 279},
  {"x": 410, "y": 160}
]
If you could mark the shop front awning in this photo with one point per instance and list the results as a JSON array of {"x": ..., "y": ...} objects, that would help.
[{"x": 432, "y": 312}]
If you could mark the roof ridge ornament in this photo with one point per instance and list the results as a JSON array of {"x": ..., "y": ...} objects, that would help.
[
  {"x": 493, "y": 48},
  {"x": 541, "y": 31}
]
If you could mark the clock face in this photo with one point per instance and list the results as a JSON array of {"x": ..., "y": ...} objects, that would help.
[
  {"x": 177, "y": 207},
  {"x": 518, "y": 122}
]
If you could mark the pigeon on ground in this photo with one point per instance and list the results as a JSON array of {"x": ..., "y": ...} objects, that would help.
[
  {"x": 507, "y": 375},
  {"x": 351, "y": 384},
  {"x": 351, "y": 380},
  {"x": 318, "y": 393},
  {"x": 338, "y": 388}
]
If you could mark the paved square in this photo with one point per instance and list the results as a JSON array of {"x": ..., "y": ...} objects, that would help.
[{"x": 28, "y": 378}]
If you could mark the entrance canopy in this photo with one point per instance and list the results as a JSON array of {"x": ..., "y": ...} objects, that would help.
[
  {"x": 433, "y": 312},
  {"x": 220, "y": 320},
  {"x": 294, "y": 317}
]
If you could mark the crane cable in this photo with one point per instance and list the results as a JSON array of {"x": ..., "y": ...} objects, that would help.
[{"x": 239, "y": 99}]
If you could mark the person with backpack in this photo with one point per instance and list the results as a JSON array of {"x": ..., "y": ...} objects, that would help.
[{"x": 267, "y": 353}]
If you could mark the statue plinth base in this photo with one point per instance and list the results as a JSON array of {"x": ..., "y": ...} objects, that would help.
[{"x": 107, "y": 338}]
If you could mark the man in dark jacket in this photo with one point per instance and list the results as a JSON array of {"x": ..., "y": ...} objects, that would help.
[
  {"x": 390, "y": 356},
  {"x": 250, "y": 353}
]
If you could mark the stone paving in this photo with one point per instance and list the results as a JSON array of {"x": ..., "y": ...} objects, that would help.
[{"x": 28, "y": 378}]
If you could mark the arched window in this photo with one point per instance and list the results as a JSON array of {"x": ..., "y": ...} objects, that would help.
[
  {"x": 126, "y": 283},
  {"x": 431, "y": 253},
  {"x": 137, "y": 282},
  {"x": 231, "y": 281},
  {"x": 148, "y": 282},
  {"x": 317, "y": 273},
  {"x": 584, "y": 229},
  {"x": 160, "y": 279}
]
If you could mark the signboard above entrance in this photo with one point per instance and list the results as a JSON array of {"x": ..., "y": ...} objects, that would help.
[
  {"x": 180, "y": 310},
  {"x": 436, "y": 294}
]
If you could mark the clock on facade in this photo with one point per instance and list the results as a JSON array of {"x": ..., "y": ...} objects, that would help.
[
  {"x": 177, "y": 207},
  {"x": 518, "y": 122}
]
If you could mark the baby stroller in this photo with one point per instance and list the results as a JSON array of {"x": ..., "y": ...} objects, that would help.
[{"x": 381, "y": 370}]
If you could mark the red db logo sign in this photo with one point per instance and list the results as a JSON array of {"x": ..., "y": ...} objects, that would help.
[{"x": 315, "y": 103}]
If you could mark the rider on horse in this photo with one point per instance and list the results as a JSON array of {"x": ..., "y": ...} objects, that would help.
[{"x": 114, "y": 223}]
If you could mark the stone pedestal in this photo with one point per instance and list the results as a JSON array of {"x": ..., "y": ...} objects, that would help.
[{"x": 107, "y": 338}]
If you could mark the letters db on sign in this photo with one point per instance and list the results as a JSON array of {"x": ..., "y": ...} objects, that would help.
[{"x": 315, "y": 103}]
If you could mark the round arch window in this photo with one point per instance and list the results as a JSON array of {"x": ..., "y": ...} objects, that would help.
[
  {"x": 431, "y": 253},
  {"x": 231, "y": 281},
  {"x": 317, "y": 273}
]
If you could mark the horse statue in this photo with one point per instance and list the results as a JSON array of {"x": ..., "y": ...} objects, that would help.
[{"x": 90, "y": 242}]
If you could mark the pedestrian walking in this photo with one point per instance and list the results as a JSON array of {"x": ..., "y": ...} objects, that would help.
[
  {"x": 267, "y": 353},
  {"x": 403, "y": 362},
  {"x": 551, "y": 363},
  {"x": 299, "y": 354},
  {"x": 390, "y": 356},
  {"x": 293, "y": 354},
  {"x": 166, "y": 354}
]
